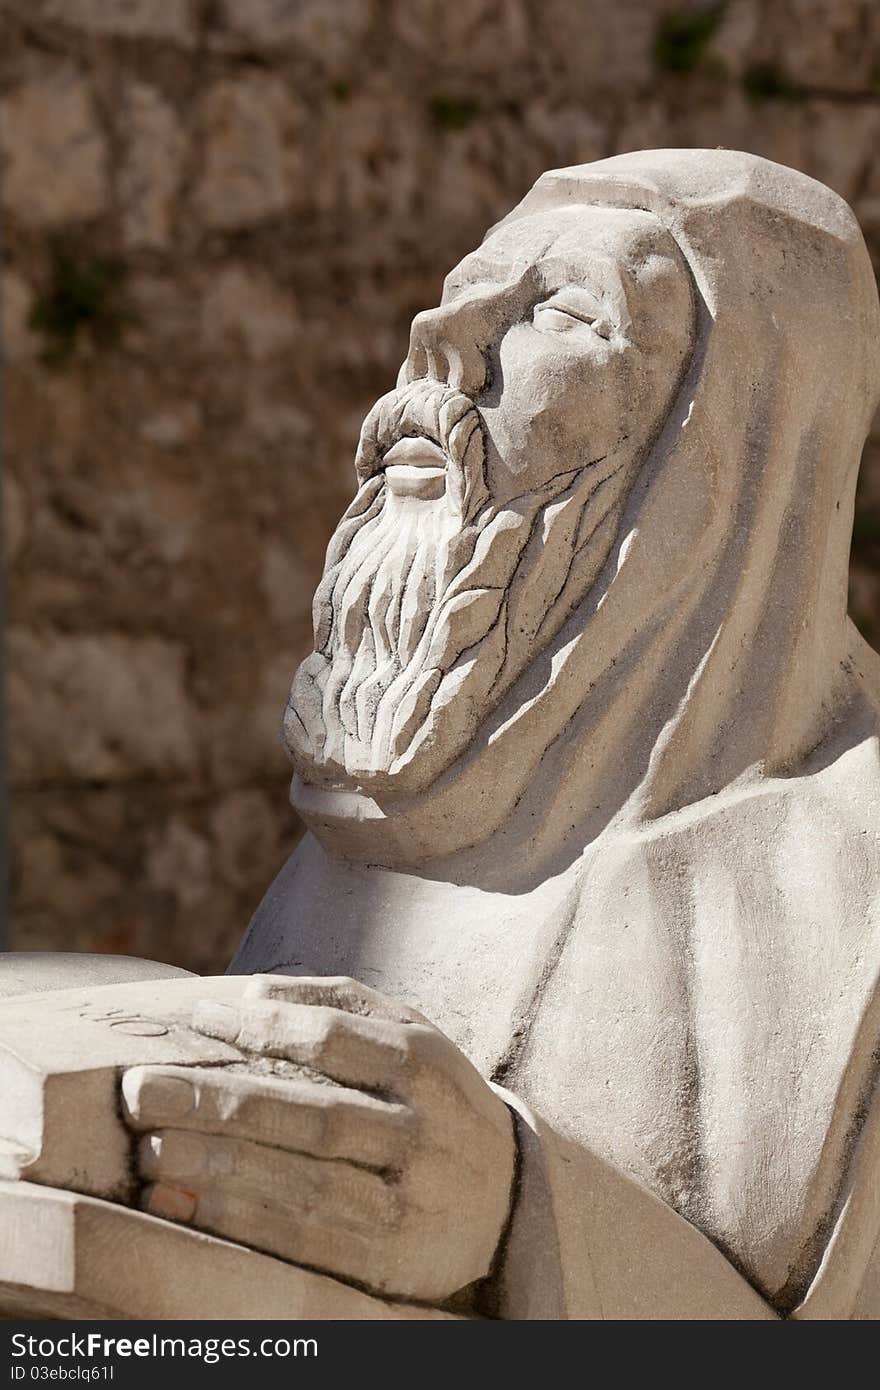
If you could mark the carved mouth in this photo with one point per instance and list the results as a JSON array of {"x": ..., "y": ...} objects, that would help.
[
  {"x": 433, "y": 434},
  {"x": 415, "y": 467}
]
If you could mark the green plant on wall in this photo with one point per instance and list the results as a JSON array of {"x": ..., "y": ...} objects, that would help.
[
  {"x": 766, "y": 81},
  {"x": 83, "y": 294},
  {"x": 453, "y": 113},
  {"x": 682, "y": 35}
]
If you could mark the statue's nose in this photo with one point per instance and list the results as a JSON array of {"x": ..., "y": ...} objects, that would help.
[{"x": 450, "y": 343}]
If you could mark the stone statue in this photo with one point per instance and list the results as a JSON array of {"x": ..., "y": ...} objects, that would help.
[{"x": 587, "y": 751}]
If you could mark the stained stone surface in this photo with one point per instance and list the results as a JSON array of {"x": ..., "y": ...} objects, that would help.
[{"x": 65, "y": 1256}]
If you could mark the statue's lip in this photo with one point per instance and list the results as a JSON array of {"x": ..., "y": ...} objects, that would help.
[
  {"x": 404, "y": 480},
  {"x": 415, "y": 467},
  {"x": 415, "y": 452}
]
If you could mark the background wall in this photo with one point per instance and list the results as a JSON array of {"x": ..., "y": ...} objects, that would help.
[{"x": 219, "y": 217}]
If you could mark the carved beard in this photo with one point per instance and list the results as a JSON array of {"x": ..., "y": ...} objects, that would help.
[{"x": 428, "y": 612}]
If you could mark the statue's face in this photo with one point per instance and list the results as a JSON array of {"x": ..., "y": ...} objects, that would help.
[{"x": 492, "y": 483}]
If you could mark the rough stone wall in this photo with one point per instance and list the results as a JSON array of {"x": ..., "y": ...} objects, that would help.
[{"x": 219, "y": 217}]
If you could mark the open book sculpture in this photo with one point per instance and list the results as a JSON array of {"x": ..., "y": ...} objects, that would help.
[{"x": 587, "y": 753}]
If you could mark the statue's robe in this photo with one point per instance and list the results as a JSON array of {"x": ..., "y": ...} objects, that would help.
[
  {"x": 646, "y": 901},
  {"x": 687, "y": 1020}
]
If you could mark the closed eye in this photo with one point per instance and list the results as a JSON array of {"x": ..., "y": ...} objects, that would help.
[
  {"x": 567, "y": 308},
  {"x": 580, "y": 314}
]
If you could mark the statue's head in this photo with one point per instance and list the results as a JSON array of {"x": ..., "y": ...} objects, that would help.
[
  {"x": 490, "y": 488},
  {"x": 602, "y": 525}
]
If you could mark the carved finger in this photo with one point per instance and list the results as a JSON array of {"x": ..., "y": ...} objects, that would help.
[
  {"x": 318, "y": 1241},
  {"x": 334, "y": 991},
  {"x": 298, "y": 1115},
  {"x": 398, "y": 1060},
  {"x": 192, "y": 1163},
  {"x": 353, "y": 1049}
]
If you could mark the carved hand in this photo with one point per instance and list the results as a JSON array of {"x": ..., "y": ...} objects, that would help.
[{"x": 354, "y": 1138}]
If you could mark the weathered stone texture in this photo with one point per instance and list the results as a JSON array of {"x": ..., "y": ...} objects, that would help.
[
  {"x": 151, "y": 168},
  {"x": 252, "y": 154},
  {"x": 135, "y": 19},
  {"x": 218, "y": 222},
  {"x": 55, "y": 152}
]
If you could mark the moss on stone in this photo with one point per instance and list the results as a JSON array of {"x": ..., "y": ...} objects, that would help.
[
  {"x": 769, "y": 81},
  {"x": 682, "y": 36},
  {"x": 454, "y": 113},
  {"x": 83, "y": 293}
]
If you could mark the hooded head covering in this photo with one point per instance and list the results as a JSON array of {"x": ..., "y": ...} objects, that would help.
[{"x": 715, "y": 643}]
